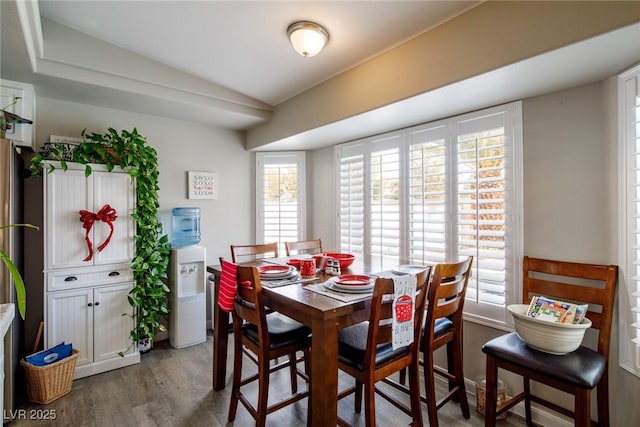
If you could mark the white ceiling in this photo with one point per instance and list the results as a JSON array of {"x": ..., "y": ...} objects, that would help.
[
  {"x": 243, "y": 46},
  {"x": 228, "y": 63}
]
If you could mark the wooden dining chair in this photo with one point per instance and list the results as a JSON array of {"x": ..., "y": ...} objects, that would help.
[
  {"x": 303, "y": 247},
  {"x": 366, "y": 353},
  {"x": 242, "y": 253},
  {"x": 443, "y": 326},
  {"x": 268, "y": 337},
  {"x": 576, "y": 373}
]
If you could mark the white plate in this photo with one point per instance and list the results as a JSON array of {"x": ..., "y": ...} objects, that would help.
[
  {"x": 408, "y": 269},
  {"x": 284, "y": 276},
  {"x": 331, "y": 285}
]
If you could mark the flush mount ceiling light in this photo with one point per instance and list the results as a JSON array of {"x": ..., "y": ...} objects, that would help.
[{"x": 307, "y": 38}]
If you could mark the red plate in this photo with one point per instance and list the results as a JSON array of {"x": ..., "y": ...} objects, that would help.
[
  {"x": 353, "y": 279},
  {"x": 273, "y": 269}
]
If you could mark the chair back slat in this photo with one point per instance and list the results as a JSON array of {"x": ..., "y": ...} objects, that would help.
[
  {"x": 446, "y": 295},
  {"x": 303, "y": 247},
  {"x": 569, "y": 269},
  {"x": 575, "y": 282},
  {"x": 240, "y": 253},
  {"x": 249, "y": 303}
]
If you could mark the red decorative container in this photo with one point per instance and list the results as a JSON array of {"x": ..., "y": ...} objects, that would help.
[{"x": 404, "y": 308}]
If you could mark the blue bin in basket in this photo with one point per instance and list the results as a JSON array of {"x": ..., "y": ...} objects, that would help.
[{"x": 51, "y": 355}]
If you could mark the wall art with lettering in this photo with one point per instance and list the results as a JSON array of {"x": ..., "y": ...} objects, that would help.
[{"x": 203, "y": 185}]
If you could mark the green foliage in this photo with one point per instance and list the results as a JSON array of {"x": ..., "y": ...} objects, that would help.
[
  {"x": 140, "y": 161},
  {"x": 21, "y": 293}
]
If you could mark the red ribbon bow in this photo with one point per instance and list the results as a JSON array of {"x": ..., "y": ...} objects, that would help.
[{"x": 106, "y": 214}]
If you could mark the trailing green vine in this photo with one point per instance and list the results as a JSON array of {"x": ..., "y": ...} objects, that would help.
[{"x": 130, "y": 151}]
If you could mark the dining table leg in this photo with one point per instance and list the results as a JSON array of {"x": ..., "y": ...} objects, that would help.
[
  {"x": 220, "y": 339},
  {"x": 324, "y": 374}
]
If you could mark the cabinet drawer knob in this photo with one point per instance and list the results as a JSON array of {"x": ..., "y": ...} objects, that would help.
[
  {"x": 70, "y": 279},
  {"x": 97, "y": 303},
  {"x": 89, "y": 305},
  {"x": 114, "y": 274}
]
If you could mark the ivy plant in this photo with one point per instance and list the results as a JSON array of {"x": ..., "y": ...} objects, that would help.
[{"x": 139, "y": 160}]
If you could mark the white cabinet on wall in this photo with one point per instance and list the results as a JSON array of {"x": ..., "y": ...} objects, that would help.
[
  {"x": 25, "y": 107},
  {"x": 86, "y": 288}
]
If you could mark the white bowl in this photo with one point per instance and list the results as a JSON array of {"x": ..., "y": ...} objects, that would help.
[{"x": 550, "y": 337}]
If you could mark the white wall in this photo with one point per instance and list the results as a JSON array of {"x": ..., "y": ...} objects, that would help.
[{"x": 570, "y": 181}]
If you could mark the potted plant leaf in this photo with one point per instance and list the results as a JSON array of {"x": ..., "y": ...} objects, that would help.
[{"x": 21, "y": 294}]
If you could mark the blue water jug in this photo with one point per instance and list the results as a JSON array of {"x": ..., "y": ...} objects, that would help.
[{"x": 185, "y": 226}]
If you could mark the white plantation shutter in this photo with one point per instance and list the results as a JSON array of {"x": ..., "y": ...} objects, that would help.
[
  {"x": 629, "y": 235},
  {"x": 385, "y": 201},
  {"x": 351, "y": 200},
  {"x": 481, "y": 220},
  {"x": 280, "y": 197},
  {"x": 427, "y": 196},
  {"x": 439, "y": 192}
]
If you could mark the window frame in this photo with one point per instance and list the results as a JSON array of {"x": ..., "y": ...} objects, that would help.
[
  {"x": 482, "y": 312},
  {"x": 266, "y": 158},
  {"x": 629, "y": 351}
]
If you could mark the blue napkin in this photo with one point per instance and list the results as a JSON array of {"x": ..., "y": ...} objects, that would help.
[{"x": 51, "y": 355}]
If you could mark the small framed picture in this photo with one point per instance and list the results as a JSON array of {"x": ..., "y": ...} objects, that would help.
[{"x": 203, "y": 185}]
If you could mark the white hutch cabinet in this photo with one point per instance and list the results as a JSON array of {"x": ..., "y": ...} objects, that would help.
[{"x": 86, "y": 297}]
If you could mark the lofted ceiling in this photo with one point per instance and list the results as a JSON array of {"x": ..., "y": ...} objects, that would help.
[{"x": 227, "y": 63}]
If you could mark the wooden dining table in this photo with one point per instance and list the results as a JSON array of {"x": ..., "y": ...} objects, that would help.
[{"x": 323, "y": 314}]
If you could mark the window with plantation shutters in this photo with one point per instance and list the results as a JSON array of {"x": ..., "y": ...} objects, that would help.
[
  {"x": 629, "y": 233},
  {"x": 439, "y": 192},
  {"x": 280, "y": 197},
  {"x": 351, "y": 200}
]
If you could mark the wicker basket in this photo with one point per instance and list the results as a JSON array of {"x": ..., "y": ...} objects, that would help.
[{"x": 48, "y": 383}]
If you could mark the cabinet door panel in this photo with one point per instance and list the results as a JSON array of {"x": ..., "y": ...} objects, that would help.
[
  {"x": 113, "y": 320},
  {"x": 70, "y": 319},
  {"x": 116, "y": 190},
  {"x": 66, "y": 194}
]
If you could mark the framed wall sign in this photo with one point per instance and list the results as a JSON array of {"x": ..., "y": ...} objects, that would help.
[{"x": 203, "y": 185}]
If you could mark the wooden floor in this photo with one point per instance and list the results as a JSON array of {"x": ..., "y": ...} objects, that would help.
[{"x": 173, "y": 387}]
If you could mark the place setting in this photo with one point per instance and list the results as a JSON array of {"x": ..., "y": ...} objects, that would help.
[
  {"x": 346, "y": 287},
  {"x": 275, "y": 275}
]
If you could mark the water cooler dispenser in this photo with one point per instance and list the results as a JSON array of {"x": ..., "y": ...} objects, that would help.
[{"x": 187, "y": 280}]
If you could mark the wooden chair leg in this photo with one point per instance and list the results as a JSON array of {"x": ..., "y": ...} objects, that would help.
[
  {"x": 402, "y": 376},
  {"x": 491, "y": 392},
  {"x": 455, "y": 348},
  {"x": 237, "y": 376},
  {"x": 527, "y": 401},
  {"x": 430, "y": 389},
  {"x": 414, "y": 392},
  {"x": 292, "y": 373},
  {"x": 263, "y": 391},
  {"x": 358, "y": 397},
  {"x": 583, "y": 407},
  {"x": 370, "y": 404},
  {"x": 307, "y": 363},
  {"x": 602, "y": 395}
]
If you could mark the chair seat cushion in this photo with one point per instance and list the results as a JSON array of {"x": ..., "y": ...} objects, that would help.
[
  {"x": 442, "y": 326},
  {"x": 352, "y": 344},
  {"x": 283, "y": 330},
  {"x": 582, "y": 368}
]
